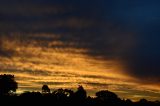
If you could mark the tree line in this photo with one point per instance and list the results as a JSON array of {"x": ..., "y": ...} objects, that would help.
[{"x": 8, "y": 87}]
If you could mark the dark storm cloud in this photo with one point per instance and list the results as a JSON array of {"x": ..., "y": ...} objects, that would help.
[
  {"x": 119, "y": 29},
  {"x": 143, "y": 59}
]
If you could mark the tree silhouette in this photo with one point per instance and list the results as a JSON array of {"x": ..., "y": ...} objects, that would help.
[
  {"x": 7, "y": 84},
  {"x": 45, "y": 89},
  {"x": 80, "y": 94},
  {"x": 105, "y": 94},
  {"x": 108, "y": 97}
]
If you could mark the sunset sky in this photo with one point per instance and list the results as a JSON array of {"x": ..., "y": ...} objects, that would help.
[{"x": 100, "y": 44}]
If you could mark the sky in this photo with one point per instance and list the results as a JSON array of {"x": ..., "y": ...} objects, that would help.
[{"x": 99, "y": 44}]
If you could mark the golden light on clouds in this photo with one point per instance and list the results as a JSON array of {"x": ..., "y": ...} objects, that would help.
[{"x": 62, "y": 66}]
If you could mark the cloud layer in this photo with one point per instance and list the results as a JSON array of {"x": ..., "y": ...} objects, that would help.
[{"x": 81, "y": 35}]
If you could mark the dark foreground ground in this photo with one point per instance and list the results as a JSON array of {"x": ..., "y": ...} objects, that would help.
[
  {"x": 48, "y": 100},
  {"x": 61, "y": 97}
]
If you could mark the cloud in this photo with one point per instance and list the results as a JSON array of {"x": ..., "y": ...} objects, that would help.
[
  {"x": 97, "y": 84},
  {"x": 28, "y": 71},
  {"x": 54, "y": 83},
  {"x": 94, "y": 26},
  {"x": 144, "y": 64},
  {"x": 6, "y": 48}
]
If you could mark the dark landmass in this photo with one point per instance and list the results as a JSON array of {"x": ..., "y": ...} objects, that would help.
[{"x": 61, "y": 97}]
